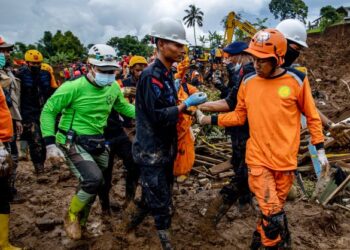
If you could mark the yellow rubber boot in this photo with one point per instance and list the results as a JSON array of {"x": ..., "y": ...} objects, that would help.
[
  {"x": 4, "y": 233},
  {"x": 71, "y": 221}
]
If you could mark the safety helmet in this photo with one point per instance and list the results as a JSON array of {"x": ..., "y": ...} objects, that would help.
[
  {"x": 33, "y": 55},
  {"x": 103, "y": 56},
  {"x": 268, "y": 43},
  {"x": 137, "y": 60},
  {"x": 5, "y": 45},
  {"x": 293, "y": 30},
  {"x": 169, "y": 29}
]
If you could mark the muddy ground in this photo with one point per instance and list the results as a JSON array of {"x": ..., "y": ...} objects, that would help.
[{"x": 37, "y": 223}]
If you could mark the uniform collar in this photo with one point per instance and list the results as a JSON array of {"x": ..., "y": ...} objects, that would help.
[{"x": 165, "y": 71}]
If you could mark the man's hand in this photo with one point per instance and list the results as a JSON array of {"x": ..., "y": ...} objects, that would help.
[
  {"x": 338, "y": 132},
  {"x": 129, "y": 91},
  {"x": 19, "y": 128},
  {"x": 322, "y": 158},
  {"x": 195, "y": 99},
  {"x": 3, "y": 154},
  {"x": 202, "y": 119},
  {"x": 54, "y": 155}
]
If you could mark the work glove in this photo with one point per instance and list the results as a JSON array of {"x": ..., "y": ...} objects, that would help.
[
  {"x": 322, "y": 158},
  {"x": 199, "y": 117},
  {"x": 195, "y": 99},
  {"x": 54, "y": 155},
  {"x": 5, "y": 162},
  {"x": 3, "y": 154},
  {"x": 129, "y": 91},
  {"x": 338, "y": 132}
]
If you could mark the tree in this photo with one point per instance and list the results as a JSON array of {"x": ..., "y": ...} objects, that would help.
[
  {"x": 203, "y": 40},
  {"x": 329, "y": 16},
  {"x": 45, "y": 45},
  {"x": 194, "y": 16},
  {"x": 260, "y": 23},
  {"x": 130, "y": 44},
  {"x": 215, "y": 39},
  {"x": 68, "y": 43},
  {"x": 289, "y": 9}
]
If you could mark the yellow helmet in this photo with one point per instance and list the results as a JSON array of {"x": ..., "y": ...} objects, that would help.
[
  {"x": 47, "y": 67},
  {"x": 137, "y": 60},
  {"x": 33, "y": 55}
]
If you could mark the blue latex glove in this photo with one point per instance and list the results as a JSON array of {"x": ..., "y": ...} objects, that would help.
[
  {"x": 2, "y": 60},
  {"x": 195, "y": 99}
]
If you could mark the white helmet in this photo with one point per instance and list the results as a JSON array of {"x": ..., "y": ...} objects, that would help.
[
  {"x": 169, "y": 29},
  {"x": 293, "y": 30},
  {"x": 104, "y": 56}
]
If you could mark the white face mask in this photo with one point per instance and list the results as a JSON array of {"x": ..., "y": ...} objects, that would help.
[{"x": 103, "y": 79}]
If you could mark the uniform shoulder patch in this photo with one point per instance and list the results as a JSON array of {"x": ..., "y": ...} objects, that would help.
[
  {"x": 298, "y": 75},
  {"x": 157, "y": 82}
]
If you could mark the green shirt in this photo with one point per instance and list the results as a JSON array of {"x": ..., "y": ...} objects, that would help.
[{"x": 90, "y": 104}]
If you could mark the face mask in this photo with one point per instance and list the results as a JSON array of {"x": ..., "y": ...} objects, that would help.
[
  {"x": 34, "y": 69},
  {"x": 238, "y": 66},
  {"x": 102, "y": 79},
  {"x": 290, "y": 56},
  {"x": 2, "y": 60}
]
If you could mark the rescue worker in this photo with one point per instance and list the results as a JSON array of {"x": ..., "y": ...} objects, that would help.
[
  {"x": 11, "y": 86},
  {"x": 35, "y": 90},
  {"x": 273, "y": 99},
  {"x": 48, "y": 68},
  {"x": 85, "y": 104},
  {"x": 136, "y": 65},
  {"x": 155, "y": 144},
  {"x": 6, "y": 133},
  {"x": 185, "y": 142},
  {"x": 295, "y": 33},
  {"x": 239, "y": 64}
]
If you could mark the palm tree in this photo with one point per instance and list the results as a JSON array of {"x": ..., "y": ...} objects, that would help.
[
  {"x": 203, "y": 40},
  {"x": 194, "y": 16}
]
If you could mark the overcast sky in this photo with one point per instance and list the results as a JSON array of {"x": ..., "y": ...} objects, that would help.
[{"x": 96, "y": 21}]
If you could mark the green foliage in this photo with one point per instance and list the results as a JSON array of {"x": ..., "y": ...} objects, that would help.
[
  {"x": 240, "y": 35},
  {"x": 67, "y": 43},
  {"x": 194, "y": 16},
  {"x": 329, "y": 16},
  {"x": 289, "y": 9},
  {"x": 215, "y": 39},
  {"x": 260, "y": 24},
  {"x": 203, "y": 40},
  {"x": 130, "y": 44}
]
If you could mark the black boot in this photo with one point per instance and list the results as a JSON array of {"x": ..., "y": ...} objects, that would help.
[
  {"x": 133, "y": 216},
  {"x": 39, "y": 168},
  {"x": 256, "y": 241},
  {"x": 164, "y": 239}
]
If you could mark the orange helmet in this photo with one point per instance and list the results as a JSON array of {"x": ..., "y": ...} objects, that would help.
[
  {"x": 268, "y": 43},
  {"x": 33, "y": 55}
]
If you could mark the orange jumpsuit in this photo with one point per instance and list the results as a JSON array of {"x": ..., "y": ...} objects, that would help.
[
  {"x": 185, "y": 140},
  {"x": 6, "y": 129},
  {"x": 273, "y": 108}
]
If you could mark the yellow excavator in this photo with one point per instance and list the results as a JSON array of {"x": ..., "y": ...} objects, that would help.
[{"x": 232, "y": 23}]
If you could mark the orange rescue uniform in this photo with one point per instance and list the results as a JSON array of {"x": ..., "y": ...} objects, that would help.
[
  {"x": 6, "y": 129},
  {"x": 185, "y": 142},
  {"x": 273, "y": 108}
]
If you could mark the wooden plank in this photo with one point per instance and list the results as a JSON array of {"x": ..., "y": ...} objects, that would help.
[
  {"x": 222, "y": 167},
  {"x": 208, "y": 159},
  {"x": 226, "y": 174},
  {"x": 204, "y": 173},
  {"x": 199, "y": 162},
  {"x": 335, "y": 192}
]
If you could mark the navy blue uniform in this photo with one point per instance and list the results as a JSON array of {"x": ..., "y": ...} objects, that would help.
[
  {"x": 155, "y": 145},
  {"x": 35, "y": 90},
  {"x": 239, "y": 137}
]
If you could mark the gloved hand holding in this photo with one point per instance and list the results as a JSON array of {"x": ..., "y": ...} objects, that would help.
[
  {"x": 322, "y": 158},
  {"x": 202, "y": 119},
  {"x": 338, "y": 132},
  {"x": 195, "y": 99},
  {"x": 3, "y": 154},
  {"x": 129, "y": 91},
  {"x": 54, "y": 155}
]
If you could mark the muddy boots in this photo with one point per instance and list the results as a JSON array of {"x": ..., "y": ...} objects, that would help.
[
  {"x": 256, "y": 241},
  {"x": 71, "y": 221},
  {"x": 4, "y": 233},
  {"x": 217, "y": 209},
  {"x": 39, "y": 168},
  {"x": 133, "y": 216},
  {"x": 164, "y": 239}
]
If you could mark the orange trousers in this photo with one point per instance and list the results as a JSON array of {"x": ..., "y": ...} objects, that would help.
[{"x": 271, "y": 189}]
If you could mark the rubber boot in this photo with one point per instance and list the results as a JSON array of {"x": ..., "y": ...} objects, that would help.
[
  {"x": 133, "y": 216},
  {"x": 256, "y": 241},
  {"x": 71, "y": 221},
  {"x": 4, "y": 233},
  {"x": 39, "y": 168},
  {"x": 216, "y": 210},
  {"x": 164, "y": 239}
]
